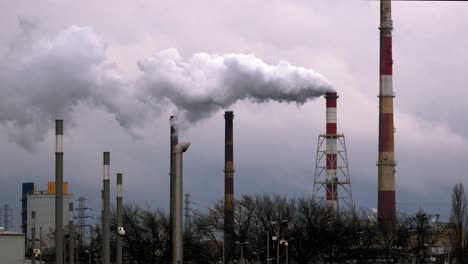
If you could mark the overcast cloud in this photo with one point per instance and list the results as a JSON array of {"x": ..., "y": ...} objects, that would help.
[{"x": 275, "y": 143}]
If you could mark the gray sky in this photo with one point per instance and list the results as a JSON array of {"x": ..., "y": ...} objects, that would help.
[{"x": 275, "y": 143}]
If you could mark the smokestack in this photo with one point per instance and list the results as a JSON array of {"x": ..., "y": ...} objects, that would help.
[
  {"x": 72, "y": 235},
  {"x": 331, "y": 151},
  {"x": 59, "y": 191},
  {"x": 174, "y": 140},
  {"x": 386, "y": 160},
  {"x": 119, "y": 218},
  {"x": 106, "y": 209},
  {"x": 228, "y": 185},
  {"x": 177, "y": 230}
]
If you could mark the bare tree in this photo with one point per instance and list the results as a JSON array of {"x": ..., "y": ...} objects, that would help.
[{"x": 458, "y": 218}]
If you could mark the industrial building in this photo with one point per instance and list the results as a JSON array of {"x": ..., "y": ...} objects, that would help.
[
  {"x": 43, "y": 203},
  {"x": 11, "y": 247}
]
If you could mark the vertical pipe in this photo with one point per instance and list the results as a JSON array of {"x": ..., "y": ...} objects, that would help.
[
  {"x": 386, "y": 159},
  {"x": 119, "y": 217},
  {"x": 331, "y": 151},
  {"x": 33, "y": 236},
  {"x": 268, "y": 247},
  {"x": 59, "y": 191},
  {"x": 71, "y": 227},
  {"x": 40, "y": 244},
  {"x": 174, "y": 140},
  {"x": 106, "y": 209},
  {"x": 229, "y": 185},
  {"x": 177, "y": 230}
]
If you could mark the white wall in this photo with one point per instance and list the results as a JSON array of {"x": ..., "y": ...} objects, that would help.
[{"x": 11, "y": 248}]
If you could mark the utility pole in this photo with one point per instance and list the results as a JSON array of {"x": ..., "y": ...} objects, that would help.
[
  {"x": 33, "y": 237},
  {"x": 187, "y": 210},
  {"x": 82, "y": 216}
]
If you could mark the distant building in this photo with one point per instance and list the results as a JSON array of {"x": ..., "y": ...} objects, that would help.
[
  {"x": 11, "y": 247},
  {"x": 43, "y": 202}
]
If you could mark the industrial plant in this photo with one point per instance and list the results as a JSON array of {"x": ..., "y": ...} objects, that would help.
[{"x": 324, "y": 226}]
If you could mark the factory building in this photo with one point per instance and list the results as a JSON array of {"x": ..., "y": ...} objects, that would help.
[
  {"x": 43, "y": 203},
  {"x": 11, "y": 247}
]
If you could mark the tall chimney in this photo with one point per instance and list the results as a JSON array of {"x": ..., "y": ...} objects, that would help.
[
  {"x": 59, "y": 191},
  {"x": 174, "y": 140},
  {"x": 119, "y": 218},
  {"x": 331, "y": 151},
  {"x": 228, "y": 185},
  {"x": 177, "y": 230},
  {"x": 386, "y": 160},
  {"x": 106, "y": 210}
]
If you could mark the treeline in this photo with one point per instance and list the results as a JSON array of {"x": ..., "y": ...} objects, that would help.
[{"x": 314, "y": 234}]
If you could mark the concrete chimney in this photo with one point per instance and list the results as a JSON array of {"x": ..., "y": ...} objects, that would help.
[
  {"x": 106, "y": 209},
  {"x": 386, "y": 159},
  {"x": 119, "y": 218},
  {"x": 228, "y": 186},
  {"x": 59, "y": 191}
]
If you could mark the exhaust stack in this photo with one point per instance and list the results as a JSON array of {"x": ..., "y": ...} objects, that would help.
[
  {"x": 59, "y": 191},
  {"x": 228, "y": 185},
  {"x": 177, "y": 228},
  {"x": 106, "y": 210},
  {"x": 174, "y": 140},
  {"x": 119, "y": 219},
  {"x": 331, "y": 152},
  {"x": 386, "y": 159}
]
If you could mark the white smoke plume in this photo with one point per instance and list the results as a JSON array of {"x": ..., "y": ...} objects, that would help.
[
  {"x": 45, "y": 76},
  {"x": 205, "y": 83}
]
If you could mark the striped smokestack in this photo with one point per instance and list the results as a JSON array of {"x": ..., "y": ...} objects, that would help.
[
  {"x": 386, "y": 160},
  {"x": 59, "y": 191},
  {"x": 331, "y": 151},
  {"x": 228, "y": 185}
]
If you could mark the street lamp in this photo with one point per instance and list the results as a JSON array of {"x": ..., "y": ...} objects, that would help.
[
  {"x": 255, "y": 253},
  {"x": 242, "y": 249},
  {"x": 277, "y": 237},
  {"x": 286, "y": 244}
]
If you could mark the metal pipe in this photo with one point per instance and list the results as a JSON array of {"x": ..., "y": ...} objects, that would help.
[
  {"x": 33, "y": 236},
  {"x": 59, "y": 191},
  {"x": 331, "y": 151},
  {"x": 177, "y": 230},
  {"x": 268, "y": 247},
  {"x": 40, "y": 244},
  {"x": 106, "y": 210},
  {"x": 119, "y": 218},
  {"x": 386, "y": 159},
  {"x": 229, "y": 184},
  {"x": 72, "y": 235}
]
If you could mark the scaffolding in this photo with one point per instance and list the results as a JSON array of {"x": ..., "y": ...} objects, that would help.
[{"x": 337, "y": 182}]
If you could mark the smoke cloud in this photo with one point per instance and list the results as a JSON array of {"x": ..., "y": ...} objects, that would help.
[{"x": 49, "y": 74}]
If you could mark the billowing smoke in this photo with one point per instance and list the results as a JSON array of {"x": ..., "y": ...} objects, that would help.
[
  {"x": 205, "y": 83},
  {"x": 45, "y": 76}
]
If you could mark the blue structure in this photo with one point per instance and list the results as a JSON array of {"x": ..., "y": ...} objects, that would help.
[{"x": 28, "y": 188}]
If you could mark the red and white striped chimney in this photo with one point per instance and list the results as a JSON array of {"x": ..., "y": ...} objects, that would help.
[
  {"x": 331, "y": 151},
  {"x": 386, "y": 159}
]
